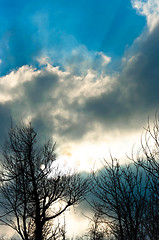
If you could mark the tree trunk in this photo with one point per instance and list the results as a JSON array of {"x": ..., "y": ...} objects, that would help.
[{"x": 38, "y": 231}]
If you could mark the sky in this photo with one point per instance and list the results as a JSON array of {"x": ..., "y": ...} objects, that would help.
[{"x": 86, "y": 73}]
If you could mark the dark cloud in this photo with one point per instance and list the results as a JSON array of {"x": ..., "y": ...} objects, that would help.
[
  {"x": 5, "y": 121},
  {"x": 143, "y": 73},
  {"x": 136, "y": 91},
  {"x": 38, "y": 101},
  {"x": 107, "y": 106},
  {"x": 38, "y": 92}
]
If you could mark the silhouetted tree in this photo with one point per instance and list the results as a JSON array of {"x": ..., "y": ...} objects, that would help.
[
  {"x": 128, "y": 196},
  {"x": 121, "y": 193},
  {"x": 98, "y": 228},
  {"x": 33, "y": 191},
  {"x": 148, "y": 160}
]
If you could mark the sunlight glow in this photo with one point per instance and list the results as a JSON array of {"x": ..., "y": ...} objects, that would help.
[{"x": 88, "y": 156}]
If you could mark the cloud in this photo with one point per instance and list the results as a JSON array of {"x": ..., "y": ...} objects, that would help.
[
  {"x": 141, "y": 74},
  {"x": 148, "y": 8},
  {"x": 54, "y": 96},
  {"x": 5, "y": 118},
  {"x": 83, "y": 103},
  {"x": 105, "y": 58},
  {"x": 135, "y": 90}
]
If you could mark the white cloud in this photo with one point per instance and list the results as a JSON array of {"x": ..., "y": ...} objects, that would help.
[
  {"x": 148, "y": 8},
  {"x": 106, "y": 59},
  {"x": 43, "y": 60},
  {"x": 23, "y": 74},
  {"x": 11, "y": 82}
]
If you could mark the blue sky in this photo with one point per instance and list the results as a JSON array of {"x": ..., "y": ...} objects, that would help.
[{"x": 32, "y": 28}]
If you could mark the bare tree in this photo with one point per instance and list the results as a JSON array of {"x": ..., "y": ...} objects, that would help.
[
  {"x": 121, "y": 193},
  {"x": 128, "y": 196},
  {"x": 148, "y": 160},
  {"x": 98, "y": 228},
  {"x": 32, "y": 191}
]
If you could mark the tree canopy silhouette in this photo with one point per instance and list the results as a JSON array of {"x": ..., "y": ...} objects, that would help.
[
  {"x": 127, "y": 196},
  {"x": 33, "y": 191}
]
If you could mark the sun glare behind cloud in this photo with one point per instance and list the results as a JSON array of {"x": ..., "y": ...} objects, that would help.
[{"x": 88, "y": 156}]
